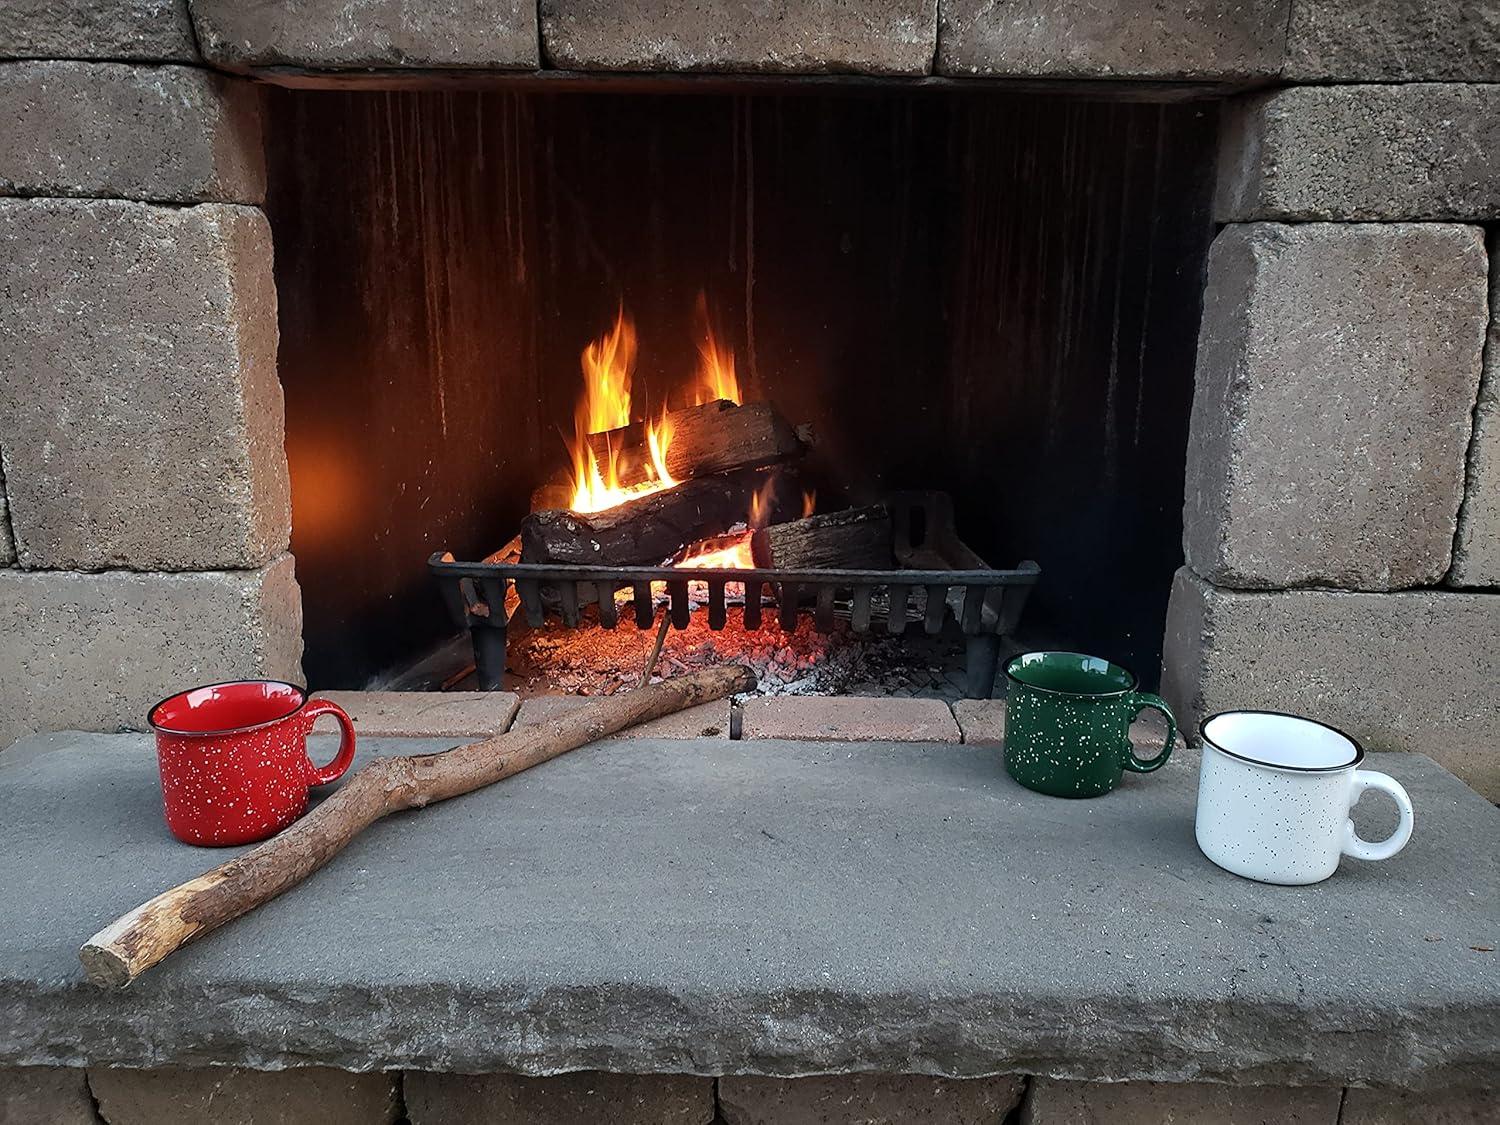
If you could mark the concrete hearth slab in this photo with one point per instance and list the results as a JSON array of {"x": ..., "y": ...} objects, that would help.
[
  {"x": 764, "y": 907},
  {"x": 427, "y": 714}
]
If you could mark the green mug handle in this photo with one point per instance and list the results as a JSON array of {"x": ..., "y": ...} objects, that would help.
[{"x": 1144, "y": 700}]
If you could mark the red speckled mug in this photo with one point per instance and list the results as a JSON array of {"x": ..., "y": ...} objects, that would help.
[{"x": 234, "y": 764}]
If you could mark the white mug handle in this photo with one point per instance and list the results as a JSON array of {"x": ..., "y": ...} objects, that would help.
[{"x": 1363, "y": 849}]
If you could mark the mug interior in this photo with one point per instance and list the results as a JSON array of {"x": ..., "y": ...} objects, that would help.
[
  {"x": 226, "y": 708},
  {"x": 1284, "y": 741},
  {"x": 1071, "y": 673}
]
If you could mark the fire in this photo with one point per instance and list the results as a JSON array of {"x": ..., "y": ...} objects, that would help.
[
  {"x": 731, "y": 556},
  {"x": 608, "y": 364},
  {"x": 716, "y": 378}
]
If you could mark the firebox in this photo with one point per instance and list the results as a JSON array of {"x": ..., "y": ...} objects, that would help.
[{"x": 978, "y": 306}]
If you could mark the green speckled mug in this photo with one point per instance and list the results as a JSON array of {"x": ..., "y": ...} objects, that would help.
[{"x": 1067, "y": 723}]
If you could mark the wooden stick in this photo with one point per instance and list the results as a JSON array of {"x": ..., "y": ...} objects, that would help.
[
  {"x": 661, "y": 637},
  {"x": 134, "y": 942}
]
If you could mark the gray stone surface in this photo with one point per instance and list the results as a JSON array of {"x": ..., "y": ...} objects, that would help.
[
  {"x": 566, "y": 1099},
  {"x": 171, "y": 133},
  {"x": 1476, "y": 551},
  {"x": 45, "y": 1095},
  {"x": 1168, "y": 39},
  {"x": 140, "y": 410},
  {"x": 764, "y": 907},
  {"x": 1417, "y": 151},
  {"x": 1157, "y": 1103},
  {"x": 427, "y": 714},
  {"x": 96, "y": 650},
  {"x": 849, "y": 718},
  {"x": 1452, "y": 1107},
  {"x": 1478, "y": 767},
  {"x": 867, "y": 1099},
  {"x": 1397, "y": 671},
  {"x": 1393, "y": 40},
  {"x": 792, "y": 36},
  {"x": 149, "y": 30},
  {"x": 352, "y": 34},
  {"x": 707, "y": 720},
  {"x": 1338, "y": 365},
  {"x": 231, "y": 1096}
]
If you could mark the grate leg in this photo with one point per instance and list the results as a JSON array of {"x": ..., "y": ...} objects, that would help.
[
  {"x": 983, "y": 659},
  {"x": 489, "y": 655}
]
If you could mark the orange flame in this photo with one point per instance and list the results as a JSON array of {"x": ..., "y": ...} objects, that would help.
[
  {"x": 733, "y": 556},
  {"x": 809, "y": 502},
  {"x": 716, "y": 378},
  {"x": 608, "y": 364}
]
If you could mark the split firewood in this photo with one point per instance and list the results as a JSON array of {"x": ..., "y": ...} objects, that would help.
[
  {"x": 711, "y": 438},
  {"x": 135, "y": 942},
  {"x": 644, "y": 531},
  {"x": 855, "y": 539}
]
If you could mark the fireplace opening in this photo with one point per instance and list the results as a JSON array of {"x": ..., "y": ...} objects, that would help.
[{"x": 988, "y": 295}]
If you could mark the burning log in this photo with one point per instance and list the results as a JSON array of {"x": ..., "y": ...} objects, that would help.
[
  {"x": 645, "y": 531},
  {"x": 711, "y": 438},
  {"x": 855, "y": 539}
]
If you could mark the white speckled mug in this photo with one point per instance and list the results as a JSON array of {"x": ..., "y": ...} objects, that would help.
[{"x": 1274, "y": 795}]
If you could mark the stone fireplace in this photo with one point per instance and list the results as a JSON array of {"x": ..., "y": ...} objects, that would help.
[{"x": 1276, "y": 219}]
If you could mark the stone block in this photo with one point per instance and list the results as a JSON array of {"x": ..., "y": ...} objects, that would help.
[
  {"x": 849, "y": 719},
  {"x": 1478, "y": 767},
  {"x": 1051, "y": 1102},
  {"x": 45, "y": 1095},
  {"x": 95, "y": 651},
  {"x": 353, "y": 34},
  {"x": 148, "y": 30},
  {"x": 1403, "y": 671},
  {"x": 1447, "y": 1107},
  {"x": 428, "y": 714},
  {"x": 982, "y": 723},
  {"x": 229, "y": 1096},
  {"x": 1338, "y": 366},
  {"x": 707, "y": 720},
  {"x": 140, "y": 409},
  {"x": 175, "y": 134},
  {"x": 1392, "y": 41},
  {"x": 867, "y": 1099},
  {"x": 792, "y": 37},
  {"x": 1418, "y": 151},
  {"x": 1476, "y": 551},
  {"x": 508, "y": 1099},
  {"x": 1184, "y": 39}
]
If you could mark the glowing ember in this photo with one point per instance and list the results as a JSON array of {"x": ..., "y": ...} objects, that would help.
[{"x": 608, "y": 364}]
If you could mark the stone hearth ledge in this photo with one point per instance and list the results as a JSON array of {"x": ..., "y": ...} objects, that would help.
[{"x": 764, "y": 908}]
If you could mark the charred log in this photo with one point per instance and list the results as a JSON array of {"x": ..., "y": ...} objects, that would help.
[
  {"x": 855, "y": 539},
  {"x": 711, "y": 438}
]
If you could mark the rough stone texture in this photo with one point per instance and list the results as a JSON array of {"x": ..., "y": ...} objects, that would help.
[
  {"x": 1158, "y": 1103},
  {"x": 1478, "y": 767},
  {"x": 791, "y": 36},
  {"x": 140, "y": 410},
  {"x": 1455, "y": 1107},
  {"x": 1476, "y": 551},
  {"x": 764, "y": 907},
  {"x": 1418, "y": 151},
  {"x": 1338, "y": 367},
  {"x": 7, "y": 541},
  {"x": 707, "y": 720},
  {"x": 45, "y": 1095},
  {"x": 229, "y": 1096},
  {"x": 1393, "y": 40},
  {"x": 351, "y": 34},
  {"x": 1402, "y": 671},
  {"x": 849, "y": 719},
  {"x": 170, "y": 133},
  {"x": 867, "y": 1099},
  {"x": 94, "y": 651},
  {"x": 1174, "y": 39},
  {"x": 149, "y": 30},
  {"x": 509, "y": 1099},
  {"x": 982, "y": 723},
  {"x": 427, "y": 714}
]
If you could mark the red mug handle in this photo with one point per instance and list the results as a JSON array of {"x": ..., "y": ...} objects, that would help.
[{"x": 322, "y": 775}]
